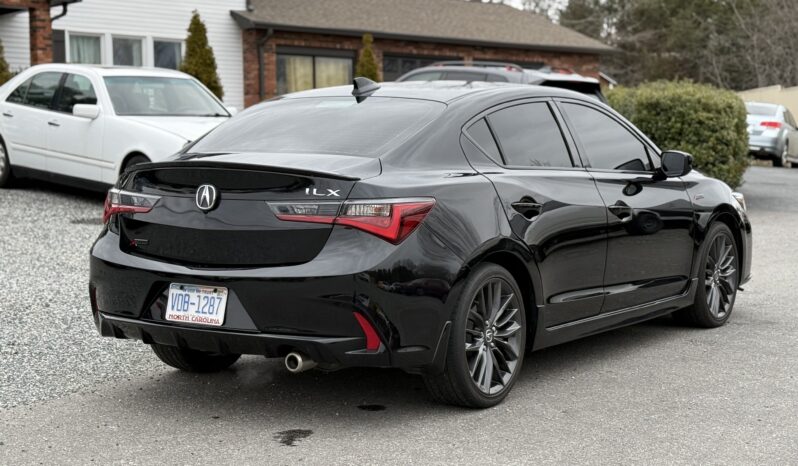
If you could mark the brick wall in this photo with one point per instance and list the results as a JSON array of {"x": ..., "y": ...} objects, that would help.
[
  {"x": 586, "y": 64},
  {"x": 41, "y": 31}
]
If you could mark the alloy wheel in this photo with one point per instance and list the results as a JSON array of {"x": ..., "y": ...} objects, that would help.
[
  {"x": 721, "y": 276},
  {"x": 493, "y": 336}
]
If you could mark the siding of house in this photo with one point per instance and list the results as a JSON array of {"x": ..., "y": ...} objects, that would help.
[
  {"x": 148, "y": 20},
  {"x": 15, "y": 33}
]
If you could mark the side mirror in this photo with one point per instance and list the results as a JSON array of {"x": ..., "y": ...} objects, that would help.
[
  {"x": 676, "y": 163},
  {"x": 232, "y": 110},
  {"x": 86, "y": 111}
]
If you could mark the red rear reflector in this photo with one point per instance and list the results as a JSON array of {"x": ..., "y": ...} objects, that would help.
[
  {"x": 390, "y": 219},
  {"x": 372, "y": 339},
  {"x": 770, "y": 124},
  {"x": 121, "y": 202}
]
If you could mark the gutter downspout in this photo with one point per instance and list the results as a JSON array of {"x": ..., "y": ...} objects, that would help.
[
  {"x": 261, "y": 64},
  {"x": 62, "y": 14}
]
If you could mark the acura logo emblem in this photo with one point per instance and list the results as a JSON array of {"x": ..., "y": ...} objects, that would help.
[{"x": 206, "y": 197}]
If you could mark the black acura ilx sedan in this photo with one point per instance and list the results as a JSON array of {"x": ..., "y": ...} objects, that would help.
[{"x": 446, "y": 229}]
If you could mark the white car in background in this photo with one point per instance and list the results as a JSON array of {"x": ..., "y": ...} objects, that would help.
[{"x": 84, "y": 125}]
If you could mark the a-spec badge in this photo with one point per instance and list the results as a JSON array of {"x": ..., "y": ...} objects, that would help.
[{"x": 207, "y": 197}]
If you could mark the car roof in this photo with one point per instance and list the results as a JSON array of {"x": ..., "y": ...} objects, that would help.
[
  {"x": 442, "y": 91},
  {"x": 536, "y": 76},
  {"x": 508, "y": 71},
  {"x": 108, "y": 70}
]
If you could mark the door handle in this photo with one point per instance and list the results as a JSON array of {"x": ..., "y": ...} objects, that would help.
[
  {"x": 53, "y": 123},
  {"x": 8, "y": 114},
  {"x": 529, "y": 210},
  {"x": 622, "y": 210}
]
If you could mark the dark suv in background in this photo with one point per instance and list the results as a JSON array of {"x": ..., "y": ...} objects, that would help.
[{"x": 506, "y": 73}]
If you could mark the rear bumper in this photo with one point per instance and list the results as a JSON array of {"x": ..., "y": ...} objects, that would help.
[
  {"x": 765, "y": 147},
  {"x": 309, "y": 307},
  {"x": 327, "y": 351}
]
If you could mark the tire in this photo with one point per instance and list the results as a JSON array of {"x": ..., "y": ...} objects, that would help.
[
  {"x": 193, "y": 361},
  {"x": 719, "y": 270},
  {"x": 135, "y": 160},
  {"x": 6, "y": 177},
  {"x": 467, "y": 380},
  {"x": 781, "y": 160}
]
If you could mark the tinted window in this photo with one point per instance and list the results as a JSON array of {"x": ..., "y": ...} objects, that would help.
[
  {"x": 42, "y": 89},
  {"x": 333, "y": 125},
  {"x": 18, "y": 96},
  {"x": 77, "y": 90},
  {"x": 480, "y": 132},
  {"x": 497, "y": 78},
  {"x": 426, "y": 76},
  {"x": 529, "y": 136},
  {"x": 465, "y": 76},
  {"x": 608, "y": 144}
]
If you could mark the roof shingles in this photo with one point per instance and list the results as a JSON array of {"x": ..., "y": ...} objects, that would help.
[{"x": 445, "y": 20}]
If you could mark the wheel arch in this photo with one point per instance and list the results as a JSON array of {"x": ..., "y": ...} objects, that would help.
[
  {"x": 727, "y": 215},
  {"x": 521, "y": 265},
  {"x": 129, "y": 156}
]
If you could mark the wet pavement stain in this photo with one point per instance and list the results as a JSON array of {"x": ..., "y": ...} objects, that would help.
[
  {"x": 289, "y": 437},
  {"x": 372, "y": 407}
]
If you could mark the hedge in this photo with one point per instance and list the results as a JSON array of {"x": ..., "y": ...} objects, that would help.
[{"x": 703, "y": 120}]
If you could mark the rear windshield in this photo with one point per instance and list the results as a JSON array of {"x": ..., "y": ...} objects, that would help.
[
  {"x": 326, "y": 125},
  {"x": 759, "y": 109}
]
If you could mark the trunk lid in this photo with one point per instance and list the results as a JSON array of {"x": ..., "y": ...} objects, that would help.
[{"x": 240, "y": 229}]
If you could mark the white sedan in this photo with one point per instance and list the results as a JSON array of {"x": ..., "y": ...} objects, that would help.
[{"x": 84, "y": 125}]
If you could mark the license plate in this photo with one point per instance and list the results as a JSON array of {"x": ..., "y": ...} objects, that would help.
[{"x": 200, "y": 305}]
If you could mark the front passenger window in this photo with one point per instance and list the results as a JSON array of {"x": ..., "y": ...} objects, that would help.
[
  {"x": 608, "y": 145},
  {"x": 77, "y": 90}
]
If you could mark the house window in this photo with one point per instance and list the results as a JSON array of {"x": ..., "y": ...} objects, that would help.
[
  {"x": 167, "y": 54},
  {"x": 127, "y": 52},
  {"x": 298, "y": 72},
  {"x": 85, "y": 49}
]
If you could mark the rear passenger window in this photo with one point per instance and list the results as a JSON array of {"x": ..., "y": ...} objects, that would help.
[
  {"x": 18, "y": 96},
  {"x": 426, "y": 76},
  {"x": 608, "y": 145},
  {"x": 529, "y": 136},
  {"x": 77, "y": 90},
  {"x": 497, "y": 78},
  {"x": 481, "y": 134},
  {"x": 42, "y": 89},
  {"x": 465, "y": 76}
]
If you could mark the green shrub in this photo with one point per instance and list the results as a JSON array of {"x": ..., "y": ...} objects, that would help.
[
  {"x": 5, "y": 72},
  {"x": 703, "y": 120},
  {"x": 199, "y": 60},
  {"x": 366, "y": 63}
]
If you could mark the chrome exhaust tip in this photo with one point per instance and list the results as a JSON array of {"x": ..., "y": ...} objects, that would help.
[{"x": 297, "y": 362}]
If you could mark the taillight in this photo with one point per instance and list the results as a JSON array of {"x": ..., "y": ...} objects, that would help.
[
  {"x": 120, "y": 202},
  {"x": 771, "y": 124},
  {"x": 390, "y": 219}
]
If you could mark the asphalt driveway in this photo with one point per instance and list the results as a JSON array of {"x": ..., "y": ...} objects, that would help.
[{"x": 651, "y": 393}]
